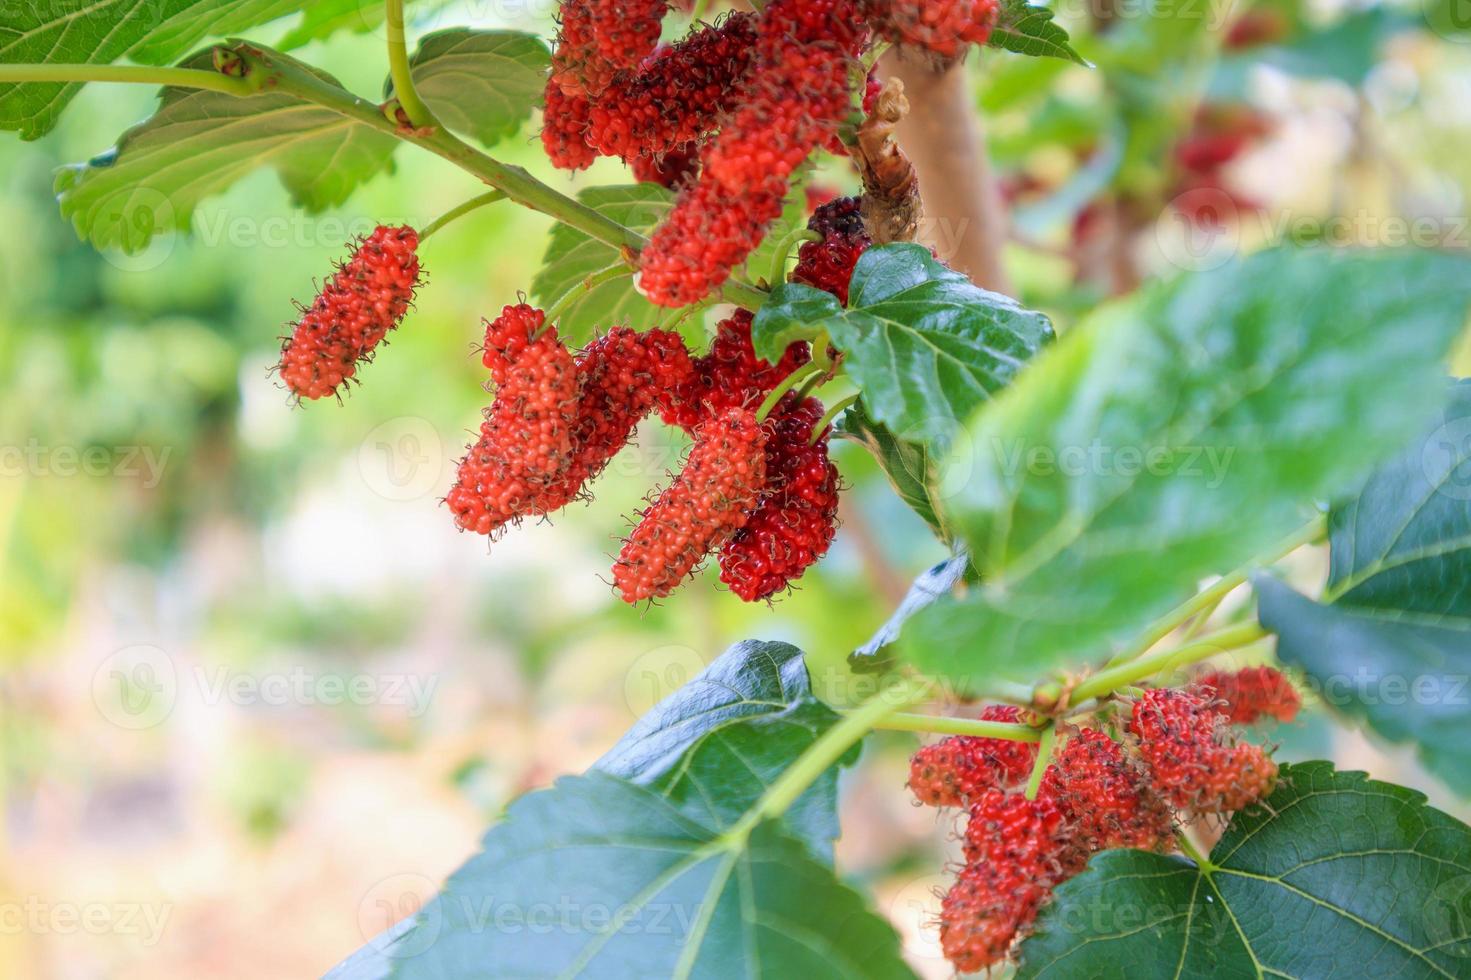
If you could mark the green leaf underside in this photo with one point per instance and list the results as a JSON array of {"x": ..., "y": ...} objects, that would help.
[
  {"x": 1030, "y": 30},
  {"x": 1336, "y": 875},
  {"x": 484, "y": 84},
  {"x": 99, "y": 33},
  {"x": 748, "y": 714},
  {"x": 1393, "y": 646},
  {"x": 598, "y": 877},
  {"x": 1179, "y": 436},
  {"x": 925, "y": 591},
  {"x": 924, "y": 344},
  {"x": 909, "y": 466},
  {"x": 572, "y": 256},
  {"x": 200, "y": 143}
]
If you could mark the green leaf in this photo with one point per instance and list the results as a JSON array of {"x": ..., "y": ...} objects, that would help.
[
  {"x": 1392, "y": 643},
  {"x": 930, "y": 587},
  {"x": 1335, "y": 875},
  {"x": 911, "y": 469},
  {"x": 1177, "y": 436},
  {"x": 572, "y": 256},
  {"x": 323, "y": 18},
  {"x": 713, "y": 746},
  {"x": 924, "y": 344},
  {"x": 481, "y": 83},
  {"x": 99, "y": 33},
  {"x": 1025, "y": 29},
  {"x": 198, "y": 144},
  {"x": 598, "y": 877}
]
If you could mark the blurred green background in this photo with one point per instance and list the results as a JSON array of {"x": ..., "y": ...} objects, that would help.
[{"x": 257, "y": 694}]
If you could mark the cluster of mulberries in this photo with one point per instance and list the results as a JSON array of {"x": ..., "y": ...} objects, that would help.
[
  {"x": 1246, "y": 696},
  {"x": 941, "y": 27},
  {"x": 1097, "y": 792},
  {"x": 600, "y": 38},
  {"x": 366, "y": 297}
]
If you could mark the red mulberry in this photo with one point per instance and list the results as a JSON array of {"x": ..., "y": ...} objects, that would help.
[
  {"x": 1106, "y": 797},
  {"x": 797, "y": 518},
  {"x": 710, "y": 499},
  {"x": 600, "y": 38},
  {"x": 525, "y": 444},
  {"x": 1191, "y": 754},
  {"x": 729, "y": 376},
  {"x": 367, "y": 297},
  {"x": 943, "y": 27},
  {"x": 673, "y": 169},
  {"x": 565, "y": 120},
  {"x": 828, "y": 264},
  {"x": 956, "y": 770},
  {"x": 1247, "y": 695}
]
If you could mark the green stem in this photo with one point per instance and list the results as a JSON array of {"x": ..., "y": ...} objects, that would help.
[
  {"x": 1110, "y": 679},
  {"x": 399, "y": 70},
  {"x": 839, "y": 407},
  {"x": 944, "y": 725},
  {"x": 824, "y": 753},
  {"x": 489, "y": 197},
  {"x": 555, "y": 311},
  {"x": 212, "y": 81},
  {"x": 783, "y": 252},
  {"x": 1211, "y": 597},
  {"x": 1044, "y": 757},
  {"x": 1188, "y": 848},
  {"x": 787, "y": 384}
]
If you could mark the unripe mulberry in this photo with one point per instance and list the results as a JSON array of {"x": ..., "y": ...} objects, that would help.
[
  {"x": 1247, "y": 695},
  {"x": 956, "y": 770},
  {"x": 797, "y": 518},
  {"x": 942, "y": 27},
  {"x": 1193, "y": 758},
  {"x": 730, "y": 375},
  {"x": 828, "y": 264},
  {"x": 710, "y": 499},
  {"x": 525, "y": 443},
  {"x": 367, "y": 297},
  {"x": 1106, "y": 797}
]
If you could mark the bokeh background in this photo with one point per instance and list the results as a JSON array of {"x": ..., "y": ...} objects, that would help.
[{"x": 258, "y": 697}]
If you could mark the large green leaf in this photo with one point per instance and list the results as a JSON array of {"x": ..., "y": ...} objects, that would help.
[
  {"x": 598, "y": 877},
  {"x": 200, "y": 143},
  {"x": 99, "y": 33},
  {"x": 1392, "y": 643},
  {"x": 1335, "y": 876},
  {"x": 1180, "y": 435},
  {"x": 1026, "y": 29},
  {"x": 481, "y": 83},
  {"x": 924, "y": 344},
  {"x": 748, "y": 714},
  {"x": 572, "y": 256}
]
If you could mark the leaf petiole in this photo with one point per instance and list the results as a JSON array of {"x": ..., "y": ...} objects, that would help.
[
  {"x": 212, "y": 81},
  {"x": 399, "y": 69}
]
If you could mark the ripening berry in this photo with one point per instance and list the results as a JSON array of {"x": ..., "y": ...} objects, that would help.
[
  {"x": 673, "y": 170},
  {"x": 1192, "y": 756},
  {"x": 367, "y": 297},
  {"x": 1247, "y": 695},
  {"x": 797, "y": 517},
  {"x": 942, "y": 27},
  {"x": 730, "y": 375},
  {"x": 956, "y": 770},
  {"x": 600, "y": 38},
  {"x": 1106, "y": 797},
  {"x": 525, "y": 443},
  {"x": 564, "y": 129},
  {"x": 710, "y": 499},
  {"x": 828, "y": 264}
]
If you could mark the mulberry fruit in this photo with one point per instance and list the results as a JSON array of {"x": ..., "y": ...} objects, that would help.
[
  {"x": 565, "y": 120},
  {"x": 1193, "y": 759},
  {"x": 942, "y": 27},
  {"x": 525, "y": 443},
  {"x": 1250, "y": 694},
  {"x": 710, "y": 499},
  {"x": 1106, "y": 796},
  {"x": 958, "y": 769},
  {"x": 600, "y": 38},
  {"x": 828, "y": 264},
  {"x": 796, "y": 520},
  {"x": 367, "y": 297},
  {"x": 730, "y": 375}
]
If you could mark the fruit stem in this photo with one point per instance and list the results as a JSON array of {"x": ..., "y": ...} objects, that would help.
[
  {"x": 1211, "y": 597},
  {"x": 579, "y": 289},
  {"x": 784, "y": 252},
  {"x": 490, "y": 197},
  {"x": 945, "y": 725},
  {"x": 212, "y": 81},
  {"x": 787, "y": 384},
  {"x": 839, "y": 407},
  {"x": 1188, "y": 848},
  {"x": 1044, "y": 758},
  {"x": 400, "y": 71},
  {"x": 1111, "y": 679}
]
